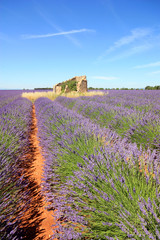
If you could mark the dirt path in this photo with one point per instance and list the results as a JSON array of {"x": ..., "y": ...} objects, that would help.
[{"x": 37, "y": 222}]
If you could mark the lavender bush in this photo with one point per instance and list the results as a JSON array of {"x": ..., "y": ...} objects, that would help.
[
  {"x": 102, "y": 186},
  {"x": 15, "y": 117}
]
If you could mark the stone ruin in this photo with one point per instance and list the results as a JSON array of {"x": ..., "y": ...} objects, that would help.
[{"x": 81, "y": 85}]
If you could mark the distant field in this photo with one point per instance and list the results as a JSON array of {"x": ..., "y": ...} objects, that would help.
[{"x": 101, "y": 169}]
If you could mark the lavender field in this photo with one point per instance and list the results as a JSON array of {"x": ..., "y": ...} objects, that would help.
[{"x": 102, "y": 164}]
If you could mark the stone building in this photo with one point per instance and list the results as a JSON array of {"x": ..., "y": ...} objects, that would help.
[{"x": 80, "y": 83}]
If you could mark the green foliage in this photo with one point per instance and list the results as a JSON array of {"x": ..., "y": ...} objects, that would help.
[
  {"x": 81, "y": 146},
  {"x": 46, "y": 88},
  {"x": 91, "y": 88},
  {"x": 146, "y": 135},
  {"x": 72, "y": 85},
  {"x": 152, "y": 88}
]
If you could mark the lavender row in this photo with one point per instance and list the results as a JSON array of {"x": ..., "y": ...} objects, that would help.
[
  {"x": 142, "y": 127},
  {"x": 7, "y": 96},
  {"x": 97, "y": 182},
  {"x": 141, "y": 100},
  {"x": 15, "y": 119}
]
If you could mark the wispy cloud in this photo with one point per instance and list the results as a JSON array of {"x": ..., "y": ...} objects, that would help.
[
  {"x": 55, "y": 34},
  {"x": 135, "y": 35},
  {"x": 136, "y": 38},
  {"x": 103, "y": 78},
  {"x": 131, "y": 51},
  {"x": 155, "y": 64}
]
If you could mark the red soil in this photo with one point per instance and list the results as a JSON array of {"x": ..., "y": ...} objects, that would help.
[
  {"x": 37, "y": 222},
  {"x": 46, "y": 215}
]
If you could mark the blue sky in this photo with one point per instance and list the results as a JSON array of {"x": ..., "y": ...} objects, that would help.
[{"x": 115, "y": 43}]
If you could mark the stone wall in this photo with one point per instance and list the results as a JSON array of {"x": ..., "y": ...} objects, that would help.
[{"x": 81, "y": 83}]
